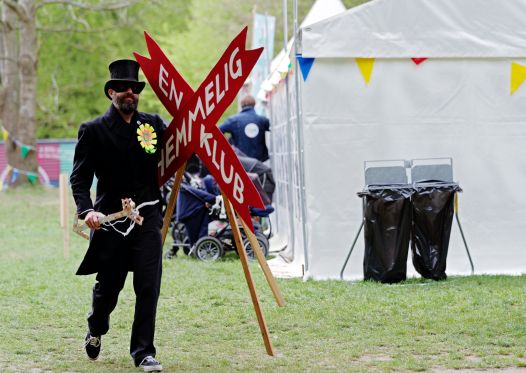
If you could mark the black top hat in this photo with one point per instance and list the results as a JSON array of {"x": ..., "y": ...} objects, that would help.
[{"x": 124, "y": 71}]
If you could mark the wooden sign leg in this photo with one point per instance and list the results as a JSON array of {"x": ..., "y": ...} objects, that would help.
[
  {"x": 263, "y": 263},
  {"x": 171, "y": 203},
  {"x": 248, "y": 276}
]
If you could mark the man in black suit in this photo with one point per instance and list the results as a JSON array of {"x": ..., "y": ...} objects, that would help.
[{"x": 121, "y": 149}]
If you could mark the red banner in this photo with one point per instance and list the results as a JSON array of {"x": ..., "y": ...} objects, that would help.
[{"x": 193, "y": 128}]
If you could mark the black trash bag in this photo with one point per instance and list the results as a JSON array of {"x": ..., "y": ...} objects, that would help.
[
  {"x": 433, "y": 208},
  {"x": 387, "y": 213}
]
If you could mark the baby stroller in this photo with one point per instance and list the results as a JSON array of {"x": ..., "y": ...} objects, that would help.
[
  {"x": 200, "y": 225},
  {"x": 262, "y": 178},
  {"x": 181, "y": 240},
  {"x": 220, "y": 237},
  {"x": 209, "y": 231}
]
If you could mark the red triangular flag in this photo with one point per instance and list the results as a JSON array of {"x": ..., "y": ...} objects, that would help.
[{"x": 418, "y": 61}]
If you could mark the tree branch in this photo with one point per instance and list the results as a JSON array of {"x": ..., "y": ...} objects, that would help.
[
  {"x": 112, "y": 6},
  {"x": 4, "y": 58},
  {"x": 82, "y": 31},
  {"x": 74, "y": 17},
  {"x": 18, "y": 9}
]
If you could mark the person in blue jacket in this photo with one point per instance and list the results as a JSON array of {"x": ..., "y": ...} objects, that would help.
[{"x": 247, "y": 130}]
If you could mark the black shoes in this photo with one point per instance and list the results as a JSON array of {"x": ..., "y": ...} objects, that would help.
[
  {"x": 149, "y": 364},
  {"x": 92, "y": 346}
]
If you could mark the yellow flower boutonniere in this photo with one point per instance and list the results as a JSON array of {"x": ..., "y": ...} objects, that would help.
[{"x": 147, "y": 137}]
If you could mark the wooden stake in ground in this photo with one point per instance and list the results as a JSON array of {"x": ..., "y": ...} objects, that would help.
[
  {"x": 248, "y": 276},
  {"x": 251, "y": 237},
  {"x": 263, "y": 264},
  {"x": 64, "y": 206},
  {"x": 171, "y": 203}
]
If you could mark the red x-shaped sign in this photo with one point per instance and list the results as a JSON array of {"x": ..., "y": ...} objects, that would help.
[{"x": 195, "y": 114}]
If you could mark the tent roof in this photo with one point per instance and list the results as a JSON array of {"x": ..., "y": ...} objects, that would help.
[
  {"x": 421, "y": 28},
  {"x": 320, "y": 10}
]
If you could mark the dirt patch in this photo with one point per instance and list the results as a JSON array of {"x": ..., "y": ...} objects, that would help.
[
  {"x": 369, "y": 358},
  {"x": 491, "y": 370}
]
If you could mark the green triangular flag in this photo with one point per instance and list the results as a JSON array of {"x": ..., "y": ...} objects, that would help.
[
  {"x": 32, "y": 178},
  {"x": 24, "y": 150}
]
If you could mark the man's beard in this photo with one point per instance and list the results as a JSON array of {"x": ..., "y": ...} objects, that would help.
[{"x": 126, "y": 106}]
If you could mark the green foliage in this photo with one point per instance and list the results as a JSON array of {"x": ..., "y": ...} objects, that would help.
[
  {"x": 194, "y": 34},
  {"x": 73, "y": 66},
  {"x": 206, "y": 322}
]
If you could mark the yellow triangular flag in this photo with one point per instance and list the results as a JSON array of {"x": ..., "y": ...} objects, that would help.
[
  {"x": 518, "y": 75},
  {"x": 6, "y": 135},
  {"x": 366, "y": 67}
]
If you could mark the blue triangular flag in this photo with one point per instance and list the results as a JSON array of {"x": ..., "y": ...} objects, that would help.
[
  {"x": 305, "y": 65},
  {"x": 14, "y": 175}
]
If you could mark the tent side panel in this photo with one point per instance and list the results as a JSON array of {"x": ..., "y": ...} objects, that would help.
[
  {"x": 284, "y": 154},
  {"x": 442, "y": 108}
]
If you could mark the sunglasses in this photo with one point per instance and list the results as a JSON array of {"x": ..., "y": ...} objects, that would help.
[{"x": 124, "y": 87}]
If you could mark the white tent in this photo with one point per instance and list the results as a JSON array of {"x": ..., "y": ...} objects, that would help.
[
  {"x": 366, "y": 99},
  {"x": 288, "y": 229}
]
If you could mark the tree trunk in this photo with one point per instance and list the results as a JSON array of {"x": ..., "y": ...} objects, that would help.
[
  {"x": 10, "y": 84},
  {"x": 20, "y": 85},
  {"x": 27, "y": 73},
  {"x": 18, "y": 81}
]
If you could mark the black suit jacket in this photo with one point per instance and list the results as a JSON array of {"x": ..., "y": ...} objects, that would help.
[{"x": 108, "y": 149}]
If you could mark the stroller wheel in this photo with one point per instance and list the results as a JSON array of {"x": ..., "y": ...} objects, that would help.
[
  {"x": 263, "y": 243},
  {"x": 208, "y": 249}
]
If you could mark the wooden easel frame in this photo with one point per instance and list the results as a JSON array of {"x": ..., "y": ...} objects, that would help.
[{"x": 232, "y": 218}]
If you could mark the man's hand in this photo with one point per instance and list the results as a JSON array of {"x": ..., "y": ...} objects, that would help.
[{"x": 92, "y": 219}]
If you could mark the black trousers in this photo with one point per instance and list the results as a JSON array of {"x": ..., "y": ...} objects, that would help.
[{"x": 141, "y": 253}]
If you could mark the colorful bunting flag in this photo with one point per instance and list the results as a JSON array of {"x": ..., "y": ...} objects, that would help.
[
  {"x": 518, "y": 75},
  {"x": 32, "y": 178},
  {"x": 418, "y": 61},
  {"x": 366, "y": 67},
  {"x": 14, "y": 175},
  {"x": 305, "y": 65},
  {"x": 3, "y": 176},
  {"x": 24, "y": 150}
]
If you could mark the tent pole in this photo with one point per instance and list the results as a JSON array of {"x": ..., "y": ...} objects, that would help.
[
  {"x": 290, "y": 160},
  {"x": 300, "y": 147},
  {"x": 285, "y": 23}
]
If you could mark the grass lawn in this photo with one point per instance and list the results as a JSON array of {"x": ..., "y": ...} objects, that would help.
[{"x": 206, "y": 321}]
